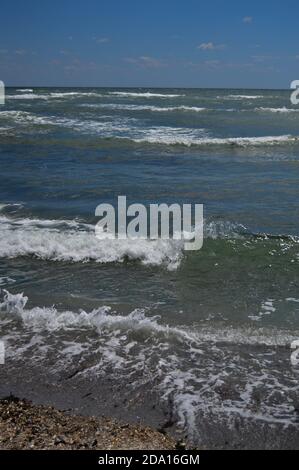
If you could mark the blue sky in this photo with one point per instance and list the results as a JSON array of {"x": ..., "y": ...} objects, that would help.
[{"x": 149, "y": 43}]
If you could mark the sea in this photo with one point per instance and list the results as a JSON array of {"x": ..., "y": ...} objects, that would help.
[{"x": 195, "y": 343}]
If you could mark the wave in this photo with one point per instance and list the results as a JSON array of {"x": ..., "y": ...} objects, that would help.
[
  {"x": 124, "y": 128},
  {"x": 244, "y": 97},
  {"x": 52, "y": 319},
  {"x": 25, "y": 90},
  {"x": 24, "y": 117},
  {"x": 105, "y": 129},
  {"x": 74, "y": 241},
  {"x": 27, "y": 96},
  {"x": 133, "y": 107},
  {"x": 3, "y": 206},
  {"x": 191, "y": 370},
  {"x": 71, "y": 241},
  {"x": 6, "y": 280},
  {"x": 143, "y": 95},
  {"x": 277, "y": 110},
  {"x": 73, "y": 94},
  {"x": 158, "y": 136}
]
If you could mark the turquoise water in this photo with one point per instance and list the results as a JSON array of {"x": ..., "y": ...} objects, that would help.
[{"x": 203, "y": 336}]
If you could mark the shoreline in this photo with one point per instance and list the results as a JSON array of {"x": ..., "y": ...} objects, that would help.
[{"x": 25, "y": 426}]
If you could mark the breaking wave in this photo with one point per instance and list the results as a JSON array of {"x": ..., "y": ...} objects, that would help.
[
  {"x": 183, "y": 137},
  {"x": 126, "y": 128},
  {"x": 136, "y": 107},
  {"x": 27, "y": 96},
  {"x": 30, "y": 95},
  {"x": 74, "y": 242},
  {"x": 25, "y": 90},
  {"x": 244, "y": 97},
  {"x": 143, "y": 95},
  {"x": 52, "y": 319},
  {"x": 277, "y": 110},
  {"x": 192, "y": 370}
]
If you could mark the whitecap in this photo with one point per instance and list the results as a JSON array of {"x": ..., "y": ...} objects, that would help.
[
  {"x": 74, "y": 242},
  {"x": 277, "y": 110},
  {"x": 244, "y": 97},
  {"x": 25, "y": 90},
  {"x": 135, "y": 107},
  {"x": 189, "y": 137},
  {"x": 143, "y": 95}
]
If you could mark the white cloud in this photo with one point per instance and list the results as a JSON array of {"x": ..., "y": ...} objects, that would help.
[
  {"x": 264, "y": 58},
  {"x": 210, "y": 46},
  {"x": 150, "y": 61},
  {"x": 212, "y": 63},
  {"x": 145, "y": 61},
  {"x": 20, "y": 52},
  {"x": 247, "y": 19},
  {"x": 221, "y": 65},
  {"x": 103, "y": 40}
]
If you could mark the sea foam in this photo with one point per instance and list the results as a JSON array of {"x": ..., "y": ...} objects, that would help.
[
  {"x": 74, "y": 242},
  {"x": 190, "y": 370}
]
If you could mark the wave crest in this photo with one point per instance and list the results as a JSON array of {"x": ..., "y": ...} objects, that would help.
[{"x": 74, "y": 242}]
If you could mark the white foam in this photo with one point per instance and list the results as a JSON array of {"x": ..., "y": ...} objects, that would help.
[
  {"x": 277, "y": 110},
  {"x": 136, "y": 107},
  {"x": 123, "y": 128},
  {"x": 73, "y": 94},
  {"x": 27, "y": 96},
  {"x": 143, "y": 95},
  {"x": 187, "y": 368},
  {"x": 189, "y": 137},
  {"x": 105, "y": 129},
  {"x": 244, "y": 97},
  {"x": 49, "y": 318},
  {"x": 23, "y": 117},
  {"x": 25, "y": 90},
  {"x": 74, "y": 242},
  {"x": 267, "y": 308}
]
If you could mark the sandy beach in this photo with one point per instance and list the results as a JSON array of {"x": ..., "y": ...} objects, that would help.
[{"x": 24, "y": 426}]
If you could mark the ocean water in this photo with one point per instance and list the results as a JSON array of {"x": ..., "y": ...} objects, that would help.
[{"x": 195, "y": 342}]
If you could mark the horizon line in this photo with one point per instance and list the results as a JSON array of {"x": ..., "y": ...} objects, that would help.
[{"x": 146, "y": 87}]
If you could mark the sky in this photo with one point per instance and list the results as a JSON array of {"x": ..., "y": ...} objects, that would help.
[{"x": 165, "y": 43}]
